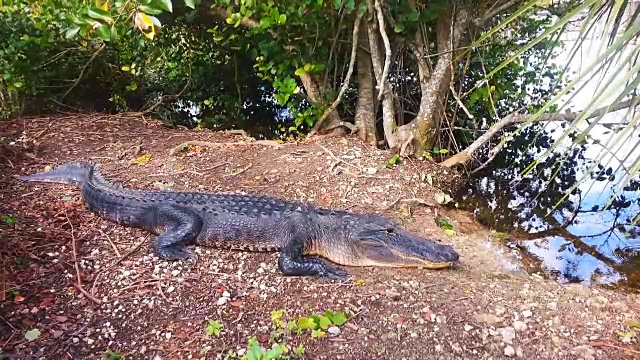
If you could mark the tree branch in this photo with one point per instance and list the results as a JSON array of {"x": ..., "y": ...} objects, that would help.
[
  {"x": 497, "y": 9},
  {"x": 345, "y": 82},
  {"x": 166, "y": 98},
  {"x": 387, "y": 49},
  {"x": 513, "y": 118},
  {"x": 84, "y": 68}
]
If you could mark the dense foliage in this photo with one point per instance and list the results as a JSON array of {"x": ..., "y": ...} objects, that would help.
[{"x": 183, "y": 61}]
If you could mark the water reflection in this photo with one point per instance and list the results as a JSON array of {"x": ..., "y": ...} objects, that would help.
[{"x": 579, "y": 241}]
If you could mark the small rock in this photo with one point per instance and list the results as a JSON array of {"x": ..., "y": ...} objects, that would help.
[
  {"x": 487, "y": 318},
  {"x": 519, "y": 325},
  {"x": 597, "y": 302},
  {"x": 509, "y": 351},
  {"x": 585, "y": 352},
  {"x": 500, "y": 310},
  {"x": 167, "y": 335},
  {"x": 620, "y": 306},
  {"x": 333, "y": 330},
  {"x": 222, "y": 301},
  {"x": 392, "y": 294},
  {"x": 468, "y": 327},
  {"x": 527, "y": 313},
  {"x": 552, "y": 306},
  {"x": 508, "y": 334},
  {"x": 371, "y": 170}
]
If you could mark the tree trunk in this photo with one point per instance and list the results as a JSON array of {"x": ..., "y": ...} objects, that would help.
[
  {"x": 314, "y": 92},
  {"x": 365, "y": 108},
  {"x": 420, "y": 134},
  {"x": 388, "y": 108}
]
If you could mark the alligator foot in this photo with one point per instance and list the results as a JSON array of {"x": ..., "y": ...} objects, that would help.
[
  {"x": 309, "y": 266},
  {"x": 170, "y": 244},
  {"x": 175, "y": 253}
]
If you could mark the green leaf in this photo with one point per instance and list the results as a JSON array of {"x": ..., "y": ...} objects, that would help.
[
  {"x": 324, "y": 322},
  {"x": 191, "y": 3},
  {"x": 398, "y": 27},
  {"x": 71, "y": 32},
  {"x": 32, "y": 334},
  {"x": 103, "y": 32},
  {"x": 317, "y": 333},
  {"x": 339, "y": 318},
  {"x": 634, "y": 323},
  {"x": 99, "y": 14},
  {"x": 282, "y": 18},
  {"x": 150, "y": 10},
  {"x": 300, "y": 72},
  {"x": 413, "y": 16},
  {"x": 165, "y": 5},
  {"x": 306, "y": 323}
]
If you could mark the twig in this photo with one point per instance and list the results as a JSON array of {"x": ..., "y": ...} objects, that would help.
[
  {"x": 345, "y": 83},
  {"x": 115, "y": 248},
  {"x": 387, "y": 49},
  {"x": 77, "y": 267},
  {"x": 165, "y": 98},
  {"x": 239, "y": 172},
  {"x": 182, "y": 146},
  {"x": 84, "y": 68},
  {"x": 135, "y": 248},
  {"x": 337, "y": 159},
  {"x": 603, "y": 344}
]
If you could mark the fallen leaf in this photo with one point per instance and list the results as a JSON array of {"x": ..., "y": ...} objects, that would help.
[
  {"x": 18, "y": 298},
  {"x": 60, "y": 318},
  {"x": 142, "y": 159},
  {"x": 360, "y": 282},
  {"x": 634, "y": 323},
  {"x": 32, "y": 334},
  {"x": 235, "y": 303}
]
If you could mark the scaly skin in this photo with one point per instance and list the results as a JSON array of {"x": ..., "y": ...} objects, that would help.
[{"x": 301, "y": 232}]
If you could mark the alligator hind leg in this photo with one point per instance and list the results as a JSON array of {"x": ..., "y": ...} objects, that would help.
[
  {"x": 292, "y": 262},
  {"x": 170, "y": 244}
]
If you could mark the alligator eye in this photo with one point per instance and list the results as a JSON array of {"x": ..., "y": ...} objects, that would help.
[{"x": 390, "y": 230}]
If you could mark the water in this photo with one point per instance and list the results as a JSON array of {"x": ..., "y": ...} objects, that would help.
[{"x": 581, "y": 240}]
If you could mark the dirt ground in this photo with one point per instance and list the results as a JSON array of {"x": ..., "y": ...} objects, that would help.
[{"x": 139, "y": 307}]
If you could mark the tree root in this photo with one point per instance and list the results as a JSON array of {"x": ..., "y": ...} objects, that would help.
[{"x": 184, "y": 145}]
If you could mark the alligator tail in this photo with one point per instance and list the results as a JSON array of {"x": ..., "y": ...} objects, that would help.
[{"x": 72, "y": 173}]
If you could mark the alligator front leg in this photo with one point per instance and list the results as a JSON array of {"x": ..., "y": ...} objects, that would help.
[
  {"x": 292, "y": 262},
  {"x": 183, "y": 230}
]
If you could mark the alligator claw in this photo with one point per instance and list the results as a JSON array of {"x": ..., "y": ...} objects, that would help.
[
  {"x": 334, "y": 273},
  {"x": 176, "y": 253}
]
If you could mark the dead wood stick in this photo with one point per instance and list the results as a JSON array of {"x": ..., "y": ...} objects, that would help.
[
  {"x": 240, "y": 172},
  {"x": 345, "y": 83},
  {"x": 78, "y": 285},
  {"x": 182, "y": 146},
  {"x": 337, "y": 159}
]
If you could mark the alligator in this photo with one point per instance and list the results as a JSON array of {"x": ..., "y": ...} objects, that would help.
[{"x": 301, "y": 232}]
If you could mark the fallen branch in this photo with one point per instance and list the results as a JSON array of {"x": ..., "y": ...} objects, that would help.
[
  {"x": 78, "y": 285},
  {"x": 411, "y": 201},
  {"x": 240, "y": 172},
  {"x": 166, "y": 98},
  {"x": 185, "y": 144},
  {"x": 387, "y": 49},
  {"x": 84, "y": 68},
  {"x": 345, "y": 83},
  {"x": 464, "y": 156}
]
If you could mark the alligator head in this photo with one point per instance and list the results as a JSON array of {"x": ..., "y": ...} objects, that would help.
[{"x": 377, "y": 241}]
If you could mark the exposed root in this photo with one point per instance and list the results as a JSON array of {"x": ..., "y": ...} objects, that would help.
[
  {"x": 184, "y": 145},
  {"x": 411, "y": 201}
]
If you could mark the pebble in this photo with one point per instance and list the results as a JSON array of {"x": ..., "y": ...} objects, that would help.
[
  {"x": 508, "y": 334},
  {"x": 333, "y": 330},
  {"x": 509, "y": 351},
  {"x": 527, "y": 313},
  {"x": 487, "y": 318},
  {"x": 222, "y": 301},
  {"x": 519, "y": 325},
  {"x": 468, "y": 327}
]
